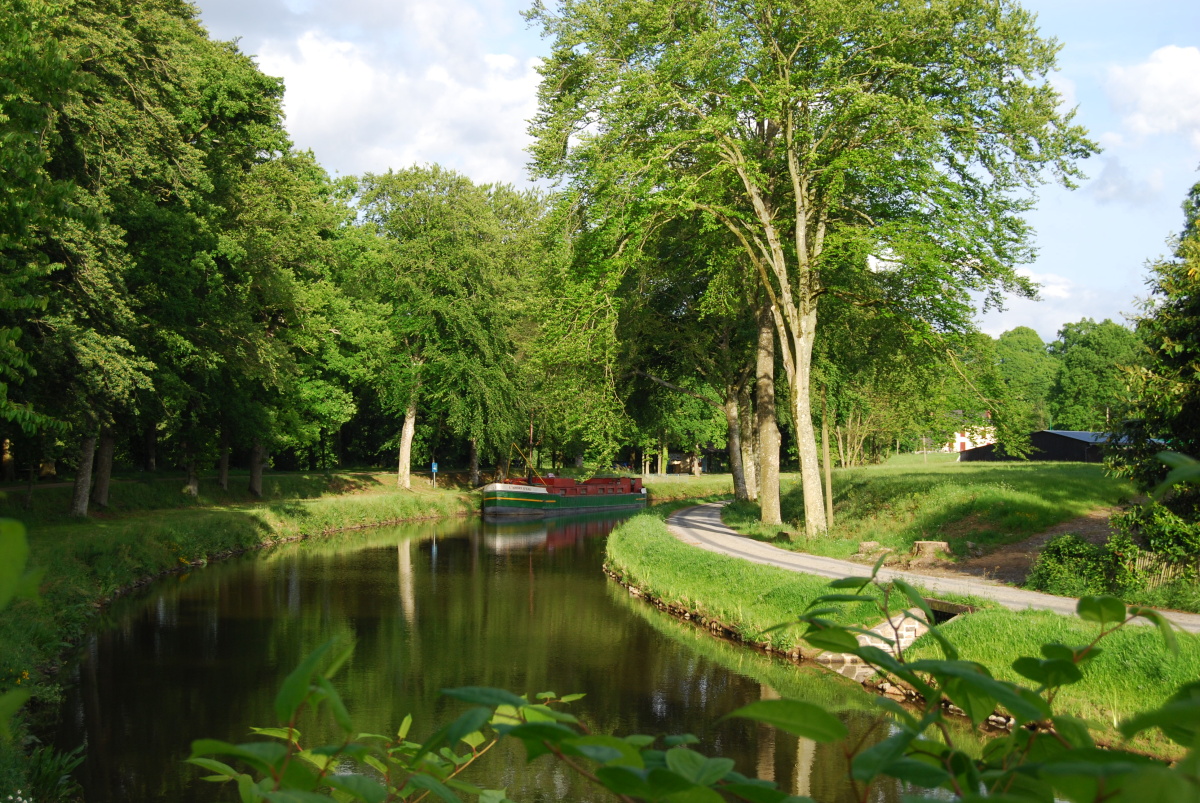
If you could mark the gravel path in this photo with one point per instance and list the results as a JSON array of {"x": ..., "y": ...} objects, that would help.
[{"x": 702, "y": 526}]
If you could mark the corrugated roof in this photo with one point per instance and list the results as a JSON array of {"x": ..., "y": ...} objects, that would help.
[{"x": 1086, "y": 437}]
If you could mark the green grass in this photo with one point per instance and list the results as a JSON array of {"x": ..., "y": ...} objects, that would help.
[
  {"x": 1134, "y": 671},
  {"x": 748, "y": 597},
  {"x": 139, "y": 492},
  {"x": 685, "y": 486},
  {"x": 898, "y": 503}
]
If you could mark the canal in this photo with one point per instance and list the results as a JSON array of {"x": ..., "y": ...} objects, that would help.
[{"x": 521, "y": 606}]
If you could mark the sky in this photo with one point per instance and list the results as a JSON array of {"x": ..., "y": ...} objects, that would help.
[{"x": 379, "y": 84}]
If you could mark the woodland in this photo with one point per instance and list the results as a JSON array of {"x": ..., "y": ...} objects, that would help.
[{"x": 756, "y": 242}]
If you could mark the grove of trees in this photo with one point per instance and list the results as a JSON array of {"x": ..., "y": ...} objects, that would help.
[{"x": 770, "y": 231}]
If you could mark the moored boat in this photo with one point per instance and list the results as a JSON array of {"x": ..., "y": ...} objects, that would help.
[{"x": 549, "y": 496}]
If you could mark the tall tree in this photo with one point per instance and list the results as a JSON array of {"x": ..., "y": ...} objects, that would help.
[
  {"x": 440, "y": 267},
  {"x": 1090, "y": 388},
  {"x": 888, "y": 141},
  {"x": 1166, "y": 385},
  {"x": 1028, "y": 370}
]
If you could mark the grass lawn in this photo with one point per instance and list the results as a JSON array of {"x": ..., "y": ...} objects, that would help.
[
  {"x": 1135, "y": 672},
  {"x": 908, "y": 500}
]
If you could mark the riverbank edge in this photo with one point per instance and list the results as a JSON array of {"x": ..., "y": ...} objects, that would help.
[
  {"x": 733, "y": 631},
  {"x": 62, "y": 618}
]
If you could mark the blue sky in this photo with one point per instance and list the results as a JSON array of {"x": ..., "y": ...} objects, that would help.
[{"x": 374, "y": 84}]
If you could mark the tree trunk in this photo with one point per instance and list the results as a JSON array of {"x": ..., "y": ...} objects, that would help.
[
  {"x": 223, "y": 461},
  {"x": 749, "y": 439},
  {"x": 28, "y": 503},
  {"x": 404, "y": 474},
  {"x": 83, "y": 477},
  {"x": 768, "y": 430},
  {"x": 766, "y": 427},
  {"x": 10, "y": 465},
  {"x": 663, "y": 458},
  {"x": 151, "y": 440},
  {"x": 734, "y": 440},
  {"x": 192, "y": 487},
  {"x": 696, "y": 461},
  {"x": 825, "y": 460},
  {"x": 258, "y": 458},
  {"x": 104, "y": 461},
  {"x": 474, "y": 461},
  {"x": 805, "y": 436}
]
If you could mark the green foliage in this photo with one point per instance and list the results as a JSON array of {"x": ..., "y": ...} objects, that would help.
[
  {"x": 1090, "y": 388},
  {"x": 1069, "y": 566},
  {"x": 1027, "y": 369}
]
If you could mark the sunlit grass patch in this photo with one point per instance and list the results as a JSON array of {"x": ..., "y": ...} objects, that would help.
[{"x": 984, "y": 503}]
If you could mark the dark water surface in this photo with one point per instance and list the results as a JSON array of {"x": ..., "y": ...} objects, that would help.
[{"x": 432, "y": 606}]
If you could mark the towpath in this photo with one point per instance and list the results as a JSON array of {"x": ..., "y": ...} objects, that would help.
[{"x": 702, "y": 526}]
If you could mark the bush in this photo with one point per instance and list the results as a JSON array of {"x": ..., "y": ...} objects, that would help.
[
  {"x": 1161, "y": 531},
  {"x": 1072, "y": 567}
]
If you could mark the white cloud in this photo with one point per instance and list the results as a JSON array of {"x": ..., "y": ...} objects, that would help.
[
  {"x": 1116, "y": 184},
  {"x": 359, "y": 113},
  {"x": 1062, "y": 300},
  {"x": 1160, "y": 95},
  {"x": 1066, "y": 90}
]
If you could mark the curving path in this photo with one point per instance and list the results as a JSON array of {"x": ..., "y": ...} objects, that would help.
[{"x": 702, "y": 526}]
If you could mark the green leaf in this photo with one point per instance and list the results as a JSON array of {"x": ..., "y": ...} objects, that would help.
[
  {"x": 664, "y": 782},
  {"x": 14, "y": 552},
  {"x": 404, "y": 727},
  {"x": 697, "y": 768},
  {"x": 570, "y": 698},
  {"x": 212, "y": 765},
  {"x": 340, "y": 715},
  {"x": 625, "y": 781},
  {"x": 263, "y": 756},
  {"x": 1104, "y": 609},
  {"x": 916, "y": 599},
  {"x": 869, "y": 763},
  {"x": 680, "y": 739},
  {"x": 831, "y": 639},
  {"x": 853, "y": 598},
  {"x": 850, "y": 582},
  {"x": 915, "y": 771},
  {"x": 431, "y": 784},
  {"x": 363, "y": 788},
  {"x": 1178, "y": 718},
  {"x": 762, "y": 794},
  {"x": 1165, "y": 628},
  {"x": 604, "y": 750},
  {"x": 484, "y": 695},
  {"x": 470, "y": 721},
  {"x": 1183, "y": 469},
  {"x": 1076, "y": 655},
  {"x": 977, "y": 683},
  {"x": 10, "y": 702},
  {"x": 1050, "y": 673},
  {"x": 546, "y": 695},
  {"x": 1074, "y": 730},
  {"x": 295, "y": 686},
  {"x": 796, "y": 717}
]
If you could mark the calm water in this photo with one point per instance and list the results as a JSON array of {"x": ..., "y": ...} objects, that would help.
[{"x": 523, "y": 607}]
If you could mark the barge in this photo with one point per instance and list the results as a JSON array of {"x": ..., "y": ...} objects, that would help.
[{"x": 550, "y": 496}]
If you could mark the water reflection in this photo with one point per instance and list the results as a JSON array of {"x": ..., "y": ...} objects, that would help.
[{"x": 521, "y": 606}]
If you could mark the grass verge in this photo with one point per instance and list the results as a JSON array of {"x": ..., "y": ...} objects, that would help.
[
  {"x": 1134, "y": 673},
  {"x": 685, "y": 486},
  {"x": 985, "y": 503},
  {"x": 748, "y": 598}
]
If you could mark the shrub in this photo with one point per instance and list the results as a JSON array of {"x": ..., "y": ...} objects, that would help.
[{"x": 1072, "y": 567}]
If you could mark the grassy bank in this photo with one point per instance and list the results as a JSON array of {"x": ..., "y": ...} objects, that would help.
[
  {"x": 87, "y": 561},
  {"x": 745, "y": 596},
  {"x": 685, "y": 486},
  {"x": 896, "y": 504},
  {"x": 1135, "y": 673}
]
